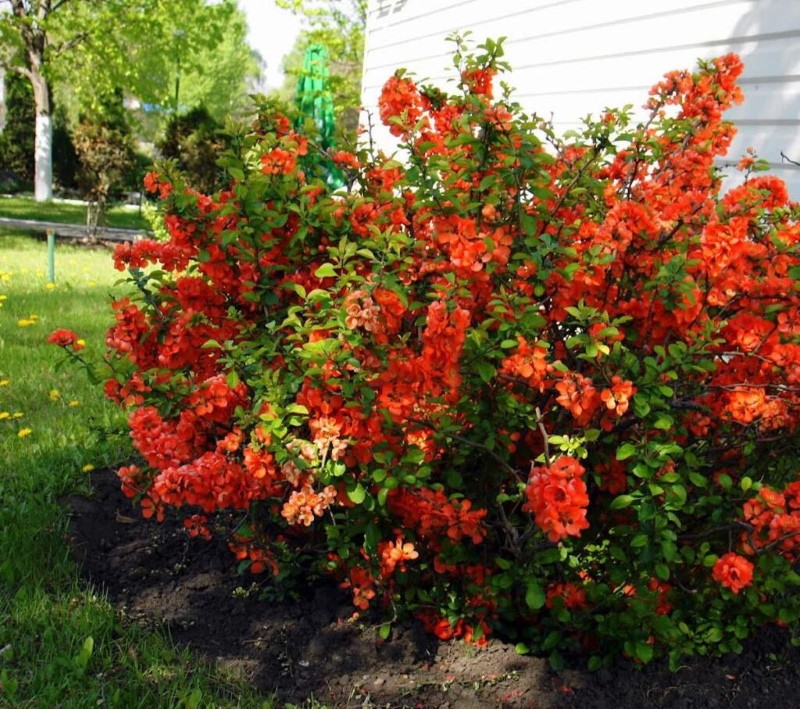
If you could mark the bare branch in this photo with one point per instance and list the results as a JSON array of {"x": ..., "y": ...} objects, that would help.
[{"x": 786, "y": 158}]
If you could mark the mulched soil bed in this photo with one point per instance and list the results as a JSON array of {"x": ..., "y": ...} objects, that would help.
[{"x": 155, "y": 574}]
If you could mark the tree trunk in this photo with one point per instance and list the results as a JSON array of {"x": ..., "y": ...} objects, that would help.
[
  {"x": 43, "y": 180},
  {"x": 31, "y": 17}
]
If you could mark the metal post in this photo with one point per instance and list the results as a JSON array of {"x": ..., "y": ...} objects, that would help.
[{"x": 51, "y": 256}]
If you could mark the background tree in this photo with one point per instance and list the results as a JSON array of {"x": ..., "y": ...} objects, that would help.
[
  {"x": 65, "y": 158},
  {"x": 221, "y": 76},
  {"x": 339, "y": 26},
  {"x": 104, "y": 145},
  {"x": 16, "y": 139},
  {"x": 192, "y": 139},
  {"x": 96, "y": 47}
]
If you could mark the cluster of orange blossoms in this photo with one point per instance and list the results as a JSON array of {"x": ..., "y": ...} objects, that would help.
[
  {"x": 775, "y": 520},
  {"x": 558, "y": 498}
]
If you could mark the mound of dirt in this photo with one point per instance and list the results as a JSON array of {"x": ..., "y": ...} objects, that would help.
[{"x": 312, "y": 646}]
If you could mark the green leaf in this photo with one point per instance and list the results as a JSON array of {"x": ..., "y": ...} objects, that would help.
[
  {"x": 82, "y": 658},
  {"x": 625, "y": 451},
  {"x": 595, "y": 663},
  {"x": 621, "y": 502},
  {"x": 485, "y": 371},
  {"x": 698, "y": 480},
  {"x": 534, "y": 596},
  {"x": 385, "y": 631},
  {"x": 644, "y": 652},
  {"x": 326, "y": 270},
  {"x": 664, "y": 422},
  {"x": 521, "y": 649},
  {"x": 641, "y": 406},
  {"x": 357, "y": 494},
  {"x": 556, "y": 660},
  {"x": 415, "y": 456},
  {"x": 194, "y": 699}
]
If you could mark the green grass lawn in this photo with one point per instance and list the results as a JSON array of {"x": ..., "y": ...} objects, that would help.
[
  {"x": 121, "y": 216},
  {"x": 61, "y": 644}
]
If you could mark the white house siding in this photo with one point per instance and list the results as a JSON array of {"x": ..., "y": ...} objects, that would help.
[{"x": 574, "y": 57}]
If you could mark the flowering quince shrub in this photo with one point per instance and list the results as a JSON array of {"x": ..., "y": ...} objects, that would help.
[{"x": 516, "y": 384}]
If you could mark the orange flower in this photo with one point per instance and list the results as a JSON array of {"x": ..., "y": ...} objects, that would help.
[
  {"x": 277, "y": 162},
  {"x": 65, "y": 338},
  {"x": 393, "y": 555},
  {"x": 617, "y": 397},
  {"x": 733, "y": 571},
  {"x": 571, "y": 595},
  {"x": 577, "y": 394},
  {"x": 558, "y": 498}
]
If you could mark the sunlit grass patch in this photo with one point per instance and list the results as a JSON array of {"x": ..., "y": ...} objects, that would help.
[
  {"x": 60, "y": 643},
  {"x": 122, "y": 216}
]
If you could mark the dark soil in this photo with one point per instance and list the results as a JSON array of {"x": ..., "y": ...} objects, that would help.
[{"x": 311, "y": 646}]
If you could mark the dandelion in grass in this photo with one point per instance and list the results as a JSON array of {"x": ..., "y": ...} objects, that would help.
[
  {"x": 88, "y": 468},
  {"x": 25, "y": 322},
  {"x": 73, "y": 403},
  {"x": 49, "y": 286},
  {"x": 4, "y": 415},
  {"x": 24, "y": 432},
  {"x": 4, "y": 382},
  {"x": 55, "y": 394},
  {"x": 17, "y": 415}
]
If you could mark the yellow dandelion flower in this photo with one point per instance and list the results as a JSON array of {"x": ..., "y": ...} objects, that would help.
[
  {"x": 33, "y": 316},
  {"x": 24, "y": 432},
  {"x": 25, "y": 322},
  {"x": 5, "y": 276},
  {"x": 4, "y": 382},
  {"x": 4, "y": 415},
  {"x": 55, "y": 394},
  {"x": 92, "y": 283},
  {"x": 80, "y": 343},
  {"x": 17, "y": 415},
  {"x": 74, "y": 403},
  {"x": 88, "y": 468},
  {"x": 49, "y": 286},
  {"x": 3, "y": 296}
]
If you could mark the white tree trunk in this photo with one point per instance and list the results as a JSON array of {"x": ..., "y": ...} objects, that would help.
[
  {"x": 43, "y": 170},
  {"x": 43, "y": 185}
]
